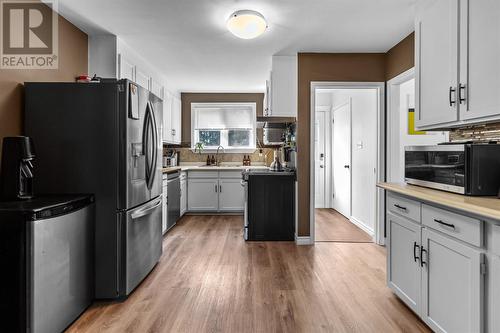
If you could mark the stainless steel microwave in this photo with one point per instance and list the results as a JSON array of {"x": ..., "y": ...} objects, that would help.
[{"x": 469, "y": 168}]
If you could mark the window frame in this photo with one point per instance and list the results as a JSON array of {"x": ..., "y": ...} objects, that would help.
[{"x": 228, "y": 150}]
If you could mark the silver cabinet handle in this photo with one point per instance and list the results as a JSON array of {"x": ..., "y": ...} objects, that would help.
[
  {"x": 220, "y": 188},
  {"x": 215, "y": 188}
]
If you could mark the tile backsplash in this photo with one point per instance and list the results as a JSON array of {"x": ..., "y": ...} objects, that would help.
[
  {"x": 187, "y": 155},
  {"x": 484, "y": 132}
]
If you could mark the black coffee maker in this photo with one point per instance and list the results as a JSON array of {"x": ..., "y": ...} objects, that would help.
[{"x": 16, "y": 173}]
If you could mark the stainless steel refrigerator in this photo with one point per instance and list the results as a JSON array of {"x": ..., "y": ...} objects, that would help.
[{"x": 104, "y": 138}]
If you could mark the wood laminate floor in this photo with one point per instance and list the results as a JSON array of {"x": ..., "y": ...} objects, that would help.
[
  {"x": 210, "y": 280},
  {"x": 334, "y": 227}
]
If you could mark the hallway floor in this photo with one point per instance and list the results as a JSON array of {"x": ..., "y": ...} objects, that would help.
[
  {"x": 331, "y": 226},
  {"x": 210, "y": 280}
]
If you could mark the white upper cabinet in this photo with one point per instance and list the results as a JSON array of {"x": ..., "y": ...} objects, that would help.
[
  {"x": 142, "y": 79},
  {"x": 457, "y": 62},
  {"x": 437, "y": 62},
  {"x": 172, "y": 119},
  {"x": 167, "y": 118},
  {"x": 125, "y": 68},
  {"x": 281, "y": 88},
  {"x": 176, "y": 120},
  {"x": 156, "y": 88},
  {"x": 480, "y": 59}
]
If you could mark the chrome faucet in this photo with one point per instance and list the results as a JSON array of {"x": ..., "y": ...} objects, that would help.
[{"x": 217, "y": 162}]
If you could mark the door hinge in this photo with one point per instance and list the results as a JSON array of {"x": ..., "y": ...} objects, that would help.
[
  {"x": 121, "y": 88},
  {"x": 483, "y": 269}
]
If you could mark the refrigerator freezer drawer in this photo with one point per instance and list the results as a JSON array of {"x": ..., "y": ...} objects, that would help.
[{"x": 143, "y": 242}]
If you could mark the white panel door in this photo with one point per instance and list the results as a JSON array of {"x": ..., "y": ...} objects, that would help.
[
  {"x": 480, "y": 59},
  {"x": 403, "y": 259},
  {"x": 231, "y": 195},
  {"x": 126, "y": 68},
  {"x": 167, "y": 118},
  {"x": 141, "y": 78},
  {"x": 321, "y": 121},
  {"x": 452, "y": 284},
  {"x": 342, "y": 159},
  {"x": 203, "y": 195},
  {"x": 436, "y": 62}
]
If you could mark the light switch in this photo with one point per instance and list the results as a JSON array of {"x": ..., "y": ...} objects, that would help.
[{"x": 359, "y": 145}]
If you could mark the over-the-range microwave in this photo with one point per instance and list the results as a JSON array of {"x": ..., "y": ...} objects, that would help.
[{"x": 466, "y": 168}]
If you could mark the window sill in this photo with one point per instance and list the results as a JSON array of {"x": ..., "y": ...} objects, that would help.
[{"x": 227, "y": 151}]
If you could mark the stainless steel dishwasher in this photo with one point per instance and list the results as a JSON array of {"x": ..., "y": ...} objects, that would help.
[{"x": 173, "y": 198}]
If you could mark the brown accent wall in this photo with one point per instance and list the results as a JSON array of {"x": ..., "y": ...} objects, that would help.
[
  {"x": 401, "y": 57},
  {"x": 365, "y": 67},
  {"x": 188, "y": 98},
  {"x": 73, "y": 60}
]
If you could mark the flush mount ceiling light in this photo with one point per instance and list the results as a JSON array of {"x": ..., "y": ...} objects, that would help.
[{"x": 246, "y": 24}]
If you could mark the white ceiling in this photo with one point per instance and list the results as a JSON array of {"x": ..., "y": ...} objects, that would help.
[{"x": 188, "y": 40}]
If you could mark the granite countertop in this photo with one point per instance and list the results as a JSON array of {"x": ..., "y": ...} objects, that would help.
[
  {"x": 203, "y": 167},
  {"x": 486, "y": 207}
]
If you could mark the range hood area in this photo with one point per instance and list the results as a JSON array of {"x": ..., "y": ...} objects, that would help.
[{"x": 263, "y": 122}]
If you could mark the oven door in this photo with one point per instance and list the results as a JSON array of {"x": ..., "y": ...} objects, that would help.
[{"x": 439, "y": 167}]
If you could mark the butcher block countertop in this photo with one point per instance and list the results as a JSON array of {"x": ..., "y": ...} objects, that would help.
[{"x": 486, "y": 207}]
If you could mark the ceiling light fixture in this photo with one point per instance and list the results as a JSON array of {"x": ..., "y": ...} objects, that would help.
[{"x": 246, "y": 24}]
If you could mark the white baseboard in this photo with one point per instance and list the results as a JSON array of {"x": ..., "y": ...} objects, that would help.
[
  {"x": 362, "y": 226},
  {"x": 303, "y": 240}
]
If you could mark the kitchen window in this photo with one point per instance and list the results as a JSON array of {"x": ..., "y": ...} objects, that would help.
[{"x": 230, "y": 125}]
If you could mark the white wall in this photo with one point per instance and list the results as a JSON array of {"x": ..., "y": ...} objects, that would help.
[{"x": 400, "y": 137}]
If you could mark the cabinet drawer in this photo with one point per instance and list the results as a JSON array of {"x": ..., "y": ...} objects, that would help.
[
  {"x": 465, "y": 228},
  {"x": 203, "y": 174},
  {"x": 231, "y": 174},
  {"x": 403, "y": 206}
]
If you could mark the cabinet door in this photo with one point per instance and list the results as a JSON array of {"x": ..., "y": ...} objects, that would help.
[
  {"x": 126, "y": 68},
  {"x": 176, "y": 120},
  {"x": 284, "y": 87},
  {"x": 164, "y": 208},
  {"x": 403, "y": 260},
  {"x": 203, "y": 195},
  {"x": 156, "y": 88},
  {"x": 167, "y": 118},
  {"x": 452, "y": 284},
  {"x": 436, "y": 60},
  {"x": 141, "y": 78},
  {"x": 231, "y": 195},
  {"x": 493, "y": 293},
  {"x": 183, "y": 197},
  {"x": 480, "y": 59}
]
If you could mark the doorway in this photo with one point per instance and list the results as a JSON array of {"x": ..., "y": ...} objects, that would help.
[{"x": 346, "y": 152}]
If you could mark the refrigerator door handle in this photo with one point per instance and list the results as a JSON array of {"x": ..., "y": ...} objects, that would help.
[
  {"x": 145, "y": 210},
  {"x": 154, "y": 132},
  {"x": 145, "y": 145}
]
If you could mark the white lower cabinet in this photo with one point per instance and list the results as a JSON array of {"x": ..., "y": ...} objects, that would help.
[
  {"x": 202, "y": 195},
  {"x": 493, "y": 292},
  {"x": 403, "y": 261},
  {"x": 439, "y": 276},
  {"x": 452, "y": 284},
  {"x": 231, "y": 196},
  {"x": 214, "y": 191}
]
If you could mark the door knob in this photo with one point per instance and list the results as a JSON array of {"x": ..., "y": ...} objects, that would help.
[
  {"x": 321, "y": 166},
  {"x": 346, "y": 166}
]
